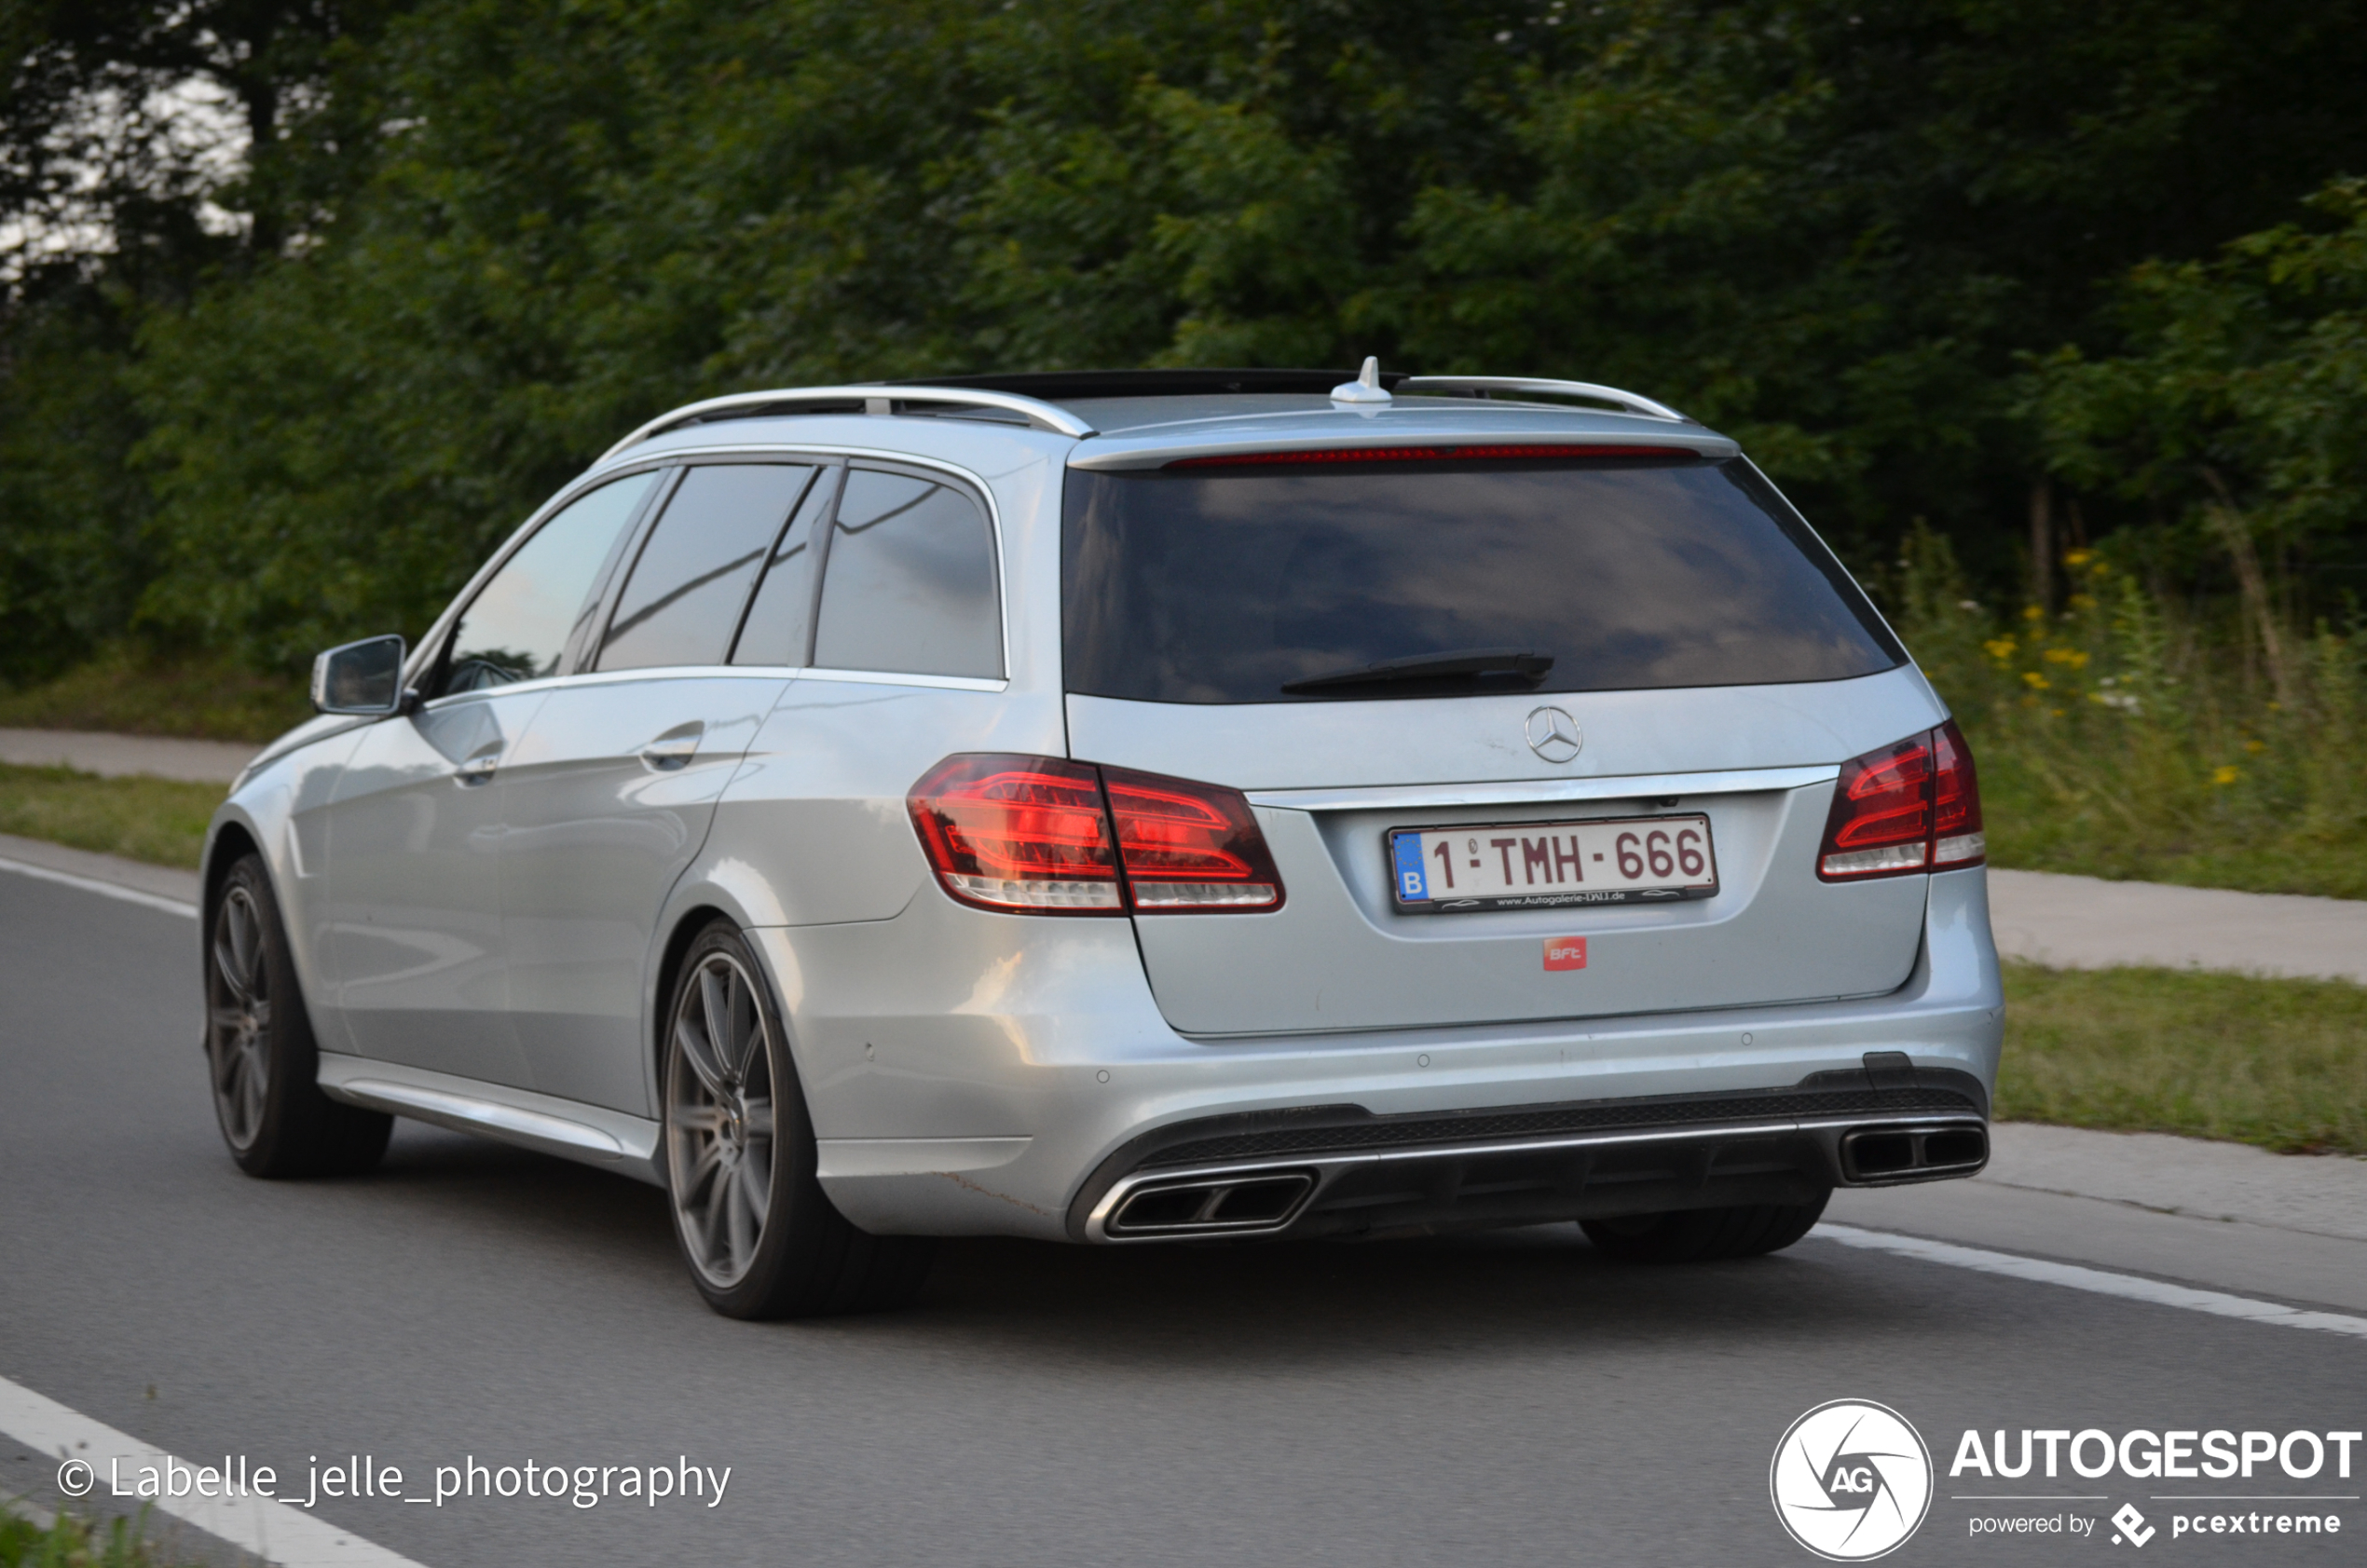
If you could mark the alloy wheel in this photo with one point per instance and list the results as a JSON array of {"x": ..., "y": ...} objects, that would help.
[
  {"x": 238, "y": 1017},
  {"x": 718, "y": 1124}
]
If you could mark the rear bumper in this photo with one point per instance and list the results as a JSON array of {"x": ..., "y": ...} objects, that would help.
[
  {"x": 1335, "y": 1170},
  {"x": 1012, "y": 1089}
]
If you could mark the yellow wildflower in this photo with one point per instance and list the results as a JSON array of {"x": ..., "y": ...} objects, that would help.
[
  {"x": 2057, "y": 712},
  {"x": 2078, "y": 557},
  {"x": 1998, "y": 647},
  {"x": 2255, "y": 747},
  {"x": 2036, "y": 681},
  {"x": 2075, "y": 658},
  {"x": 2222, "y": 775},
  {"x": 2032, "y": 612},
  {"x": 2081, "y": 602}
]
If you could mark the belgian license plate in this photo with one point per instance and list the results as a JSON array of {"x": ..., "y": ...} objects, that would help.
[{"x": 1550, "y": 864}]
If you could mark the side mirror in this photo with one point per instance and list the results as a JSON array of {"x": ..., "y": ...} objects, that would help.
[{"x": 363, "y": 677}]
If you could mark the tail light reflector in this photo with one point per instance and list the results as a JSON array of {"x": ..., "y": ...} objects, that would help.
[
  {"x": 1038, "y": 835},
  {"x": 1912, "y": 806}
]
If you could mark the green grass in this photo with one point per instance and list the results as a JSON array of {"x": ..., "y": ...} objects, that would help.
[
  {"x": 2035, "y": 824},
  {"x": 68, "y": 1542},
  {"x": 134, "y": 694},
  {"x": 2278, "y": 1063},
  {"x": 161, "y": 821}
]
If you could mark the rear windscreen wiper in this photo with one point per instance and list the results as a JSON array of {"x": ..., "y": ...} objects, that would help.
[{"x": 1434, "y": 666}]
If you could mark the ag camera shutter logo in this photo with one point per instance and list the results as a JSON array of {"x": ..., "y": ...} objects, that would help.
[{"x": 1852, "y": 1480}]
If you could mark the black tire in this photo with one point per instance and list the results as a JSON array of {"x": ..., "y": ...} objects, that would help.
[
  {"x": 1700, "y": 1235},
  {"x": 261, "y": 1057},
  {"x": 760, "y": 1236}
]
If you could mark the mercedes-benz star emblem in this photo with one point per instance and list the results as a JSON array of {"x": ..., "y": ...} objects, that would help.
[{"x": 1553, "y": 735}]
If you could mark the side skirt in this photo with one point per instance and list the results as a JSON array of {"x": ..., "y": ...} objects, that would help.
[{"x": 571, "y": 1129}]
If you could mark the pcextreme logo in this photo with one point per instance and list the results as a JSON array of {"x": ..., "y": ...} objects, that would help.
[{"x": 1852, "y": 1480}]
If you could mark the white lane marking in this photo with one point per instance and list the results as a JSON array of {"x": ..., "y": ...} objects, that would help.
[
  {"x": 92, "y": 884},
  {"x": 2128, "y": 1287},
  {"x": 274, "y": 1532}
]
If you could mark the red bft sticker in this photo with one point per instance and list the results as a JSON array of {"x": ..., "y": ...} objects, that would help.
[{"x": 1565, "y": 952}]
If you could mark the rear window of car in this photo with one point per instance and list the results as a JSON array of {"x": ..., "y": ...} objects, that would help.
[
  {"x": 907, "y": 584},
  {"x": 1227, "y": 585}
]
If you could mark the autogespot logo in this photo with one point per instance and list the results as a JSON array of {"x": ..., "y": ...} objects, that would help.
[{"x": 1852, "y": 1480}]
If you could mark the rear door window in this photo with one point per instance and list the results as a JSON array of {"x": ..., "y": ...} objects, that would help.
[
  {"x": 682, "y": 603},
  {"x": 518, "y": 626},
  {"x": 1277, "y": 584},
  {"x": 909, "y": 581},
  {"x": 780, "y": 623}
]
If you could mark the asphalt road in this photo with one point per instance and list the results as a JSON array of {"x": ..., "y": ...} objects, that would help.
[{"x": 1506, "y": 1400}]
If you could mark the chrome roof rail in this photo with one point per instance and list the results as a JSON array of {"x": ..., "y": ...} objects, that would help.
[
  {"x": 873, "y": 398},
  {"x": 1482, "y": 385}
]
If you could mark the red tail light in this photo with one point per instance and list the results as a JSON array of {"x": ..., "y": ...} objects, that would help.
[
  {"x": 1025, "y": 833},
  {"x": 1190, "y": 846},
  {"x": 1914, "y": 806},
  {"x": 1033, "y": 835},
  {"x": 1957, "y": 839}
]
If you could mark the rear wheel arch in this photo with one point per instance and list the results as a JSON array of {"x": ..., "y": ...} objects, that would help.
[
  {"x": 760, "y": 1235},
  {"x": 685, "y": 931}
]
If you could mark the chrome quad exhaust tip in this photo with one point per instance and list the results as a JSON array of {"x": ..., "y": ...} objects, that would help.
[
  {"x": 1885, "y": 1155},
  {"x": 1249, "y": 1202}
]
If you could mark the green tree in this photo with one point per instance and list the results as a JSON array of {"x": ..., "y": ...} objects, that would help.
[
  {"x": 2236, "y": 413},
  {"x": 1835, "y": 232},
  {"x": 114, "y": 204}
]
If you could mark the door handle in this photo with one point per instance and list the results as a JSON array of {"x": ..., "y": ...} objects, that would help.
[
  {"x": 670, "y": 751},
  {"x": 479, "y": 768}
]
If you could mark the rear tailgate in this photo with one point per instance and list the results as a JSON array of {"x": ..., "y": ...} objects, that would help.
[
  {"x": 1330, "y": 781},
  {"x": 1457, "y": 634}
]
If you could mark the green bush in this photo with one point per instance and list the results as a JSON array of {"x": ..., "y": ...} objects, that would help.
[
  {"x": 2126, "y": 736},
  {"x": 131, "y": 692}
]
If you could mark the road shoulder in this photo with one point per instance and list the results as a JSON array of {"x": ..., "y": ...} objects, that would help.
[
  {"x": 2289, "y": 1227},
  {"x": 163, "y": 881}
]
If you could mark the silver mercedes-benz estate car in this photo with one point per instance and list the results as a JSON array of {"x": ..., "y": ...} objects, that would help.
[{"x": 1123, "y": 808}]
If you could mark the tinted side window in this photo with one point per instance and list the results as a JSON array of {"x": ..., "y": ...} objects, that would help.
[
  {"x": 783, "y": 614},
  {"x": 517, "y": 626},
  {"x": 683, "y": 601},
  {"x": 909, "y": 582}
]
